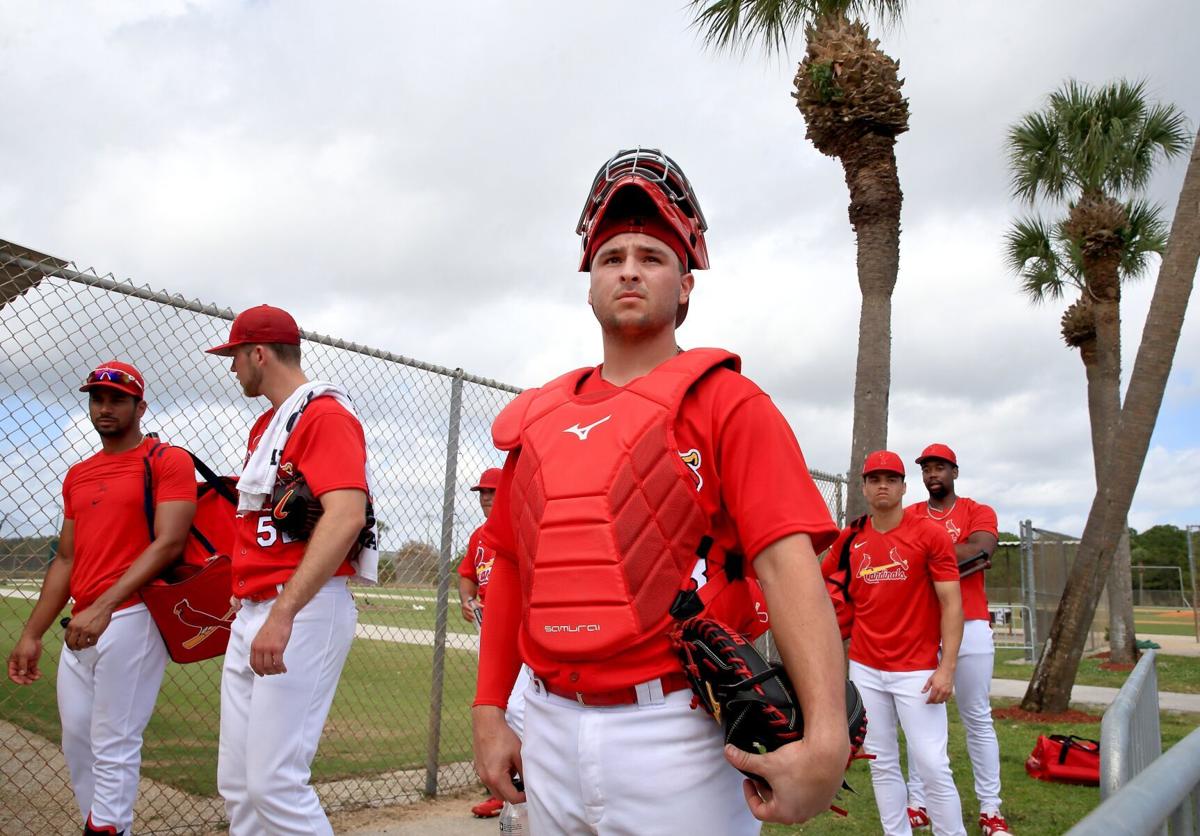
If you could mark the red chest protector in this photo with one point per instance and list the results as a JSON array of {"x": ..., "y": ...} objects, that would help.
[{"x": 606, "y": 515}]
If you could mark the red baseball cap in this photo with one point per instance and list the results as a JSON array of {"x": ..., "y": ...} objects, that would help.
[
  {"x": 489, "y": 480},
  {"x": 116, "y": 375},
  {"x": 937, "y": 451},
  {"x": 259, "y": 326},
  {"x": 883, "y": 460}
]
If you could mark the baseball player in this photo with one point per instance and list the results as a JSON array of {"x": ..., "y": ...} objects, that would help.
[
  {"x": 903, "y": 584},
  {"x": 656, "y": 471},
  {"x": 112, "y": 666},
  {"x": 290, "y": 637},
  {"x": 972, "y": 528},
  {"x": 473, "y": 573}
]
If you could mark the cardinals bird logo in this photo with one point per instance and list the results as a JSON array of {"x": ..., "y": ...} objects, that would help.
[
  {"x": 896, "y": 569},
  {"x": 205, "y": 622},
  {"x": 692, "y": 459}
]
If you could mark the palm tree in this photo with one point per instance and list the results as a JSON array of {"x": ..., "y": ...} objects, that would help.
[
  {"x": 1087, "y": 149},
  {"x": 848, "y": 91},
  {"x": 1049, "y": 262},
  {"x": 1050, "y": 687}
]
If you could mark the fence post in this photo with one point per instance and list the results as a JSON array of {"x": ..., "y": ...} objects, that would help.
[
  {"x": 432, "y": 751},
  {"x": 1187, "y": 530},
  {"x": 1030, "y": 584},
  {"x": 839, "y": 504}
]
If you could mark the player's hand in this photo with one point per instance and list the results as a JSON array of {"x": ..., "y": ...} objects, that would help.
[
  {"x": 23, "y": 661},
  {"x": 84, "y": 629},
  {"x": 266, "y": 651},
  {"x": 468, "y": 609},
  {"x": 497, "y": 752},
  {"x": 939, "y": 686},
  {"x": 799, "y": 780}
]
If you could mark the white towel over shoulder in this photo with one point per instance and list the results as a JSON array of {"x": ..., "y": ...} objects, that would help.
[{"x": 258, "y": 477}]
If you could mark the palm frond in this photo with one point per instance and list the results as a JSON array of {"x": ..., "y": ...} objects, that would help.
[
  {"x": 737, "y": 25},
  {"x": 1035, "y": 157},
  {"x": 1030, "y": 253},
  {"x": 1144, "y": 235}
]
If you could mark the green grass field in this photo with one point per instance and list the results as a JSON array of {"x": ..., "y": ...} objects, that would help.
[
  {"x": 379, "y": 720},
  {"x": 1033, "y": 808}
]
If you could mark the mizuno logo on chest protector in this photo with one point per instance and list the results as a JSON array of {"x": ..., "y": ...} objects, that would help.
[{"x": 582, "y": 432}]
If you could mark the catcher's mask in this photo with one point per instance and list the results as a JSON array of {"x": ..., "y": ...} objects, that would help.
[{"x": 663, "y": 182}]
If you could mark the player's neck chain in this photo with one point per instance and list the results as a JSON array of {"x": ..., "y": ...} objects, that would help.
[{"x": 944, "y": 513}]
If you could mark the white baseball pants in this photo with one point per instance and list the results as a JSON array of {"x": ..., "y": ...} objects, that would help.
[
  {"x": 270, "y": 725},
  {"x": 972, "y": 693},
  {"x": 891, "y": 696},
  {"x": 655, "y": 769},
  {"x": 514, "y": 715},
  {"x": 106, "y": 694}
]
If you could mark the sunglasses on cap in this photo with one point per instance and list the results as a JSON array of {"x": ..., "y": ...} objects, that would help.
[{"x": 106, "y": 375}]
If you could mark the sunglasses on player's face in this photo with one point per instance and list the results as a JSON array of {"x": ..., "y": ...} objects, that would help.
[{"x": 112, "y": 376}]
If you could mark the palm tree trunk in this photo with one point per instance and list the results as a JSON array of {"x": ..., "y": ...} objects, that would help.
[
  {"x": 875, "y": 200},
  {"x": 1105, "y": 401},
  {"x": 1050, "y": 687},
  {"x": 1104, "y": 410}
]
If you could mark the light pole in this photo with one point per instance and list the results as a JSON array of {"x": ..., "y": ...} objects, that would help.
[{"x": 1187, "y": 530}]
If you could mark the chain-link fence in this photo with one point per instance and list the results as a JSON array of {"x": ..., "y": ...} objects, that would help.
[{"x": 400, "y": 725}]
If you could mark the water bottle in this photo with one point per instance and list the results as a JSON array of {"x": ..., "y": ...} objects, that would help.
[{"x": 514, "y": 818}]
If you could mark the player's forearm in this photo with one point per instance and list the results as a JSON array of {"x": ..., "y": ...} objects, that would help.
[
  {"x": 56, "y": 591},
  {"x": 148, "y": 566},
  {"x": 467, "y": 590},
  {"x": 805, "y": 631},
  {"x": 951, "y": 623},
  {"x": 328, "y": 546}
]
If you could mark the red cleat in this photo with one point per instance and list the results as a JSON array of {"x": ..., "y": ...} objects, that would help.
[
  {"x": 488, "y": 809},
  {"x": 918, "y": 817},
  {"x": 990, "y": 825}
]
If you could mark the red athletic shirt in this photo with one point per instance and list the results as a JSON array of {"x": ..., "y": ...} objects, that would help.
[
  {"x": 327, "y": 446},
  {"x": 964, "y": 519},
  {"x": 477, "y": 563},
  {"x": 105, "y": 497},
  {"x": 754, "y": 488},
  {"x": 897, "y": 617}
]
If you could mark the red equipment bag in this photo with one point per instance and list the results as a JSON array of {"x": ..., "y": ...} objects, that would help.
[
  {"x": 1065, "y": 759},
  {"x": 191, "y": 601}
]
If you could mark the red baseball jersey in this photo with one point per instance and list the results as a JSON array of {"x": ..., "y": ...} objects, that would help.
[
  {"x": 754, "y": 488},
  {"x": 964, "y": 519},
  {"x": 477, "y": 563},
  {"x": 328, "y": 447},
  {"x": 897, "y": 617},
  {"x": 105, "y": 497}
]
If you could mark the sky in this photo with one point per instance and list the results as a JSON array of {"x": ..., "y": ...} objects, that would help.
[{"x": 408, "y": 176}]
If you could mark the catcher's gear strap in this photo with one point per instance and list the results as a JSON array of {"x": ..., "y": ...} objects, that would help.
[
  {"x": 603, "y": 501},
  {"x": 841, "y": 577},
  {"x": 975, "y": 563}
]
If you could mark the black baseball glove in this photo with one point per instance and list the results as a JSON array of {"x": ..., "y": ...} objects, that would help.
[
  {"x": 754, "y": 701},
  {"x": 294, "y": 509}
]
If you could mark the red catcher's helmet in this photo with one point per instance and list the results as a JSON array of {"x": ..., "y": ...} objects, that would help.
[{"x": 663, "y": 181}]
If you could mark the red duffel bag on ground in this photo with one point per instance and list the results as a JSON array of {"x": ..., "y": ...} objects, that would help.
[
  {"x": 1065, "y": 759},
  {"x": 190, "y": 601}
]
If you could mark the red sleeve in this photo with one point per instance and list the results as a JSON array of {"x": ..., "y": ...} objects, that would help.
[
  {"x": 983, "y": 518},
  {"x": 174, "y": 477},
  {"x": 943, "y": 564},
  {"x": 829, "y": 563},
  {"x": 499, "y": 658},
  {"x": 466, "y": 566},
  {"x": 765, "y": 483},
  {"x": 68, "y": 511},
  {"x": 331, "y": 452}
]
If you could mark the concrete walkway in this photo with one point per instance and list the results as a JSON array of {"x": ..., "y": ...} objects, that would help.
[{"x": 1097, "y": 695}]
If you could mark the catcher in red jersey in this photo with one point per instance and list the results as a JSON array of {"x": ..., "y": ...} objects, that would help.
[
  {"x": 656, "y": 471},
  {"x": 903, "y": 586},
  {"x": 972, "y": 528},
  {"x": 113, "y": 662}
]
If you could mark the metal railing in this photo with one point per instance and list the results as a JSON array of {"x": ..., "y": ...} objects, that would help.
[
  {"x": 400, "y": 724},
  {"x": 1130, "y": 738},
  {"x": 1144, "y": 791}
]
